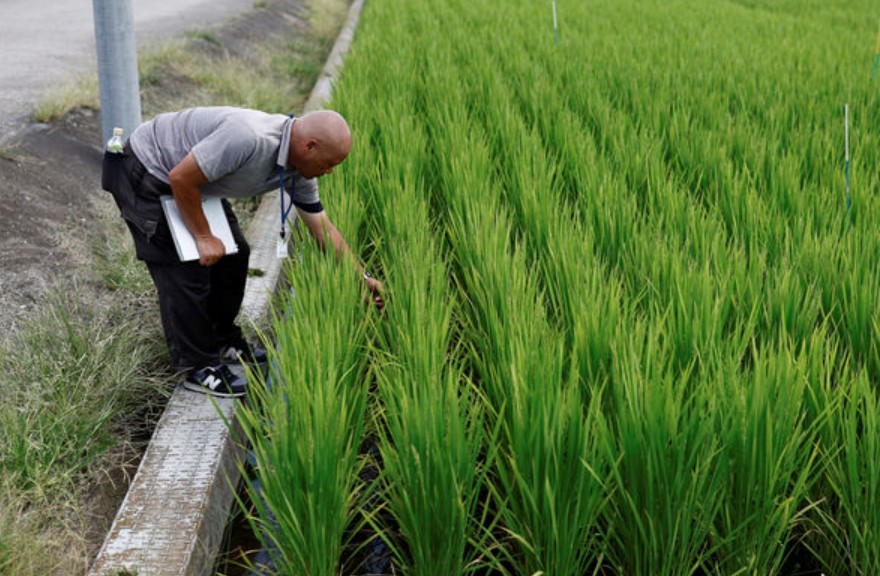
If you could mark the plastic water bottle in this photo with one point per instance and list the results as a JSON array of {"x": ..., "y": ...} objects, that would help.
[{"x": 115, "y": 144}]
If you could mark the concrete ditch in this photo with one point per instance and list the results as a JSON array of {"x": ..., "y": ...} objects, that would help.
[{"x": 173, "y": 517}]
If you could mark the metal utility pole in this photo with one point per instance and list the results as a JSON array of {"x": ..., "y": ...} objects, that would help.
[{"x": 117, "y": 66}]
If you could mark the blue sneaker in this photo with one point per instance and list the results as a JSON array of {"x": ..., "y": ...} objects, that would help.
[
  {"x": 216, "y": 381},
  {"x": 244, "y": 354}
]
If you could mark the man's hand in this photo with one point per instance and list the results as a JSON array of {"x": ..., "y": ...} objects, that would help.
[
  {"x": 186, "y": 180},
  {"x": 211, "y": 249},
  {"x": 376, "y": 289},
  {"x": 327, "y": 235}
]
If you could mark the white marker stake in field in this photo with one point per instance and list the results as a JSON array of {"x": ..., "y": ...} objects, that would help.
[
  {"x": 555, "y": 27},
  {"x": 846, "y": 167}
]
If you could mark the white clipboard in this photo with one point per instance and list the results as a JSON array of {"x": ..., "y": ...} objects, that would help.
[{"x": 183, "y": 238}]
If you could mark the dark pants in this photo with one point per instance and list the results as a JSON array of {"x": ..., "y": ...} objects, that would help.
[{"x": 198, "y": 304}]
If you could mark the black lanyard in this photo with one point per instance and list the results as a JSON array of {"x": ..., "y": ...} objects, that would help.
[{"x": 284, "y": 211}]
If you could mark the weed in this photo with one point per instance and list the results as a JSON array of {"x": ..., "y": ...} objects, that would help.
[
  {"x": 204, "y": 36},
  {"x": 9, "y": 153}
]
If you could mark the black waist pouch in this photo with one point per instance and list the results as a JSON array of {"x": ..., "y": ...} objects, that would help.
[{"x": 136, "y": 193}]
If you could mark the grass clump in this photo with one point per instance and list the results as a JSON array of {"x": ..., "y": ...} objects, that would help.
[
  {"x": 83, "y": 378},
  {"x": 81, "y": 92},
  {"x": 75, "y": 377}
]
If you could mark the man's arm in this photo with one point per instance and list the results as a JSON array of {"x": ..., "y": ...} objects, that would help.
[
  {"x": 317, "y": 223},
  {"x": 186, "y": 178}
]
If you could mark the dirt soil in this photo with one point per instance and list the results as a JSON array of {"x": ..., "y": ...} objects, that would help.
[
  {"x": 50, "y": 179},
  {"x": 50, "y": 176}
]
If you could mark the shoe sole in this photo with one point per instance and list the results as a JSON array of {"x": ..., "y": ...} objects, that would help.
[{"x": 204, "y": 390}]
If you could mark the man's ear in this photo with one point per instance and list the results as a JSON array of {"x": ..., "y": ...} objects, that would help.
[{"x": 311, "y": 144}]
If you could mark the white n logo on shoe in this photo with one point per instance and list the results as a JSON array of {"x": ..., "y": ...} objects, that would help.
[{"x": 212, "y": 382}]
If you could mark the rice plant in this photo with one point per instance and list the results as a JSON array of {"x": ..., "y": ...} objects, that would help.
[
  {"x": 772, "y": 455},
  {"x": 852, "y": 525},
  {"x": 670, "y": 470},
  {"x": 306, "y": 423}
]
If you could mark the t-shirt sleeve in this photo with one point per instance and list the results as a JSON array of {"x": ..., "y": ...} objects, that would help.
[
  {"x": 305, "y": 195},
  {"x": 225, "y": 150}
]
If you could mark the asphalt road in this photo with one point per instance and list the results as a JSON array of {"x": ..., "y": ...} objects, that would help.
[{"x": 44, "y": 44}]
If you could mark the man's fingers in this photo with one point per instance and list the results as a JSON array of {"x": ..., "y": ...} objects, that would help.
[
  {"x": 375, "y": 300},
  {"x": 211, "y": 250}
]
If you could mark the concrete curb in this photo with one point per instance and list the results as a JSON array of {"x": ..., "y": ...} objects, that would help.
[
  {"x": 175, "y": 512},
  {"x": 324, "y": 86}
]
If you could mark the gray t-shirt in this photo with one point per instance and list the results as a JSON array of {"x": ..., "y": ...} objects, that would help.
[{"x": 240, "y": 151}]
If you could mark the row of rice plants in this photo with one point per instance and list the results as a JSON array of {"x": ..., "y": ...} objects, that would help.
[
  {"x": 636, "y": 300},
  {"x": 427, "y": 400},
  {"x": 520, "y": 361},
  {"x": 305, "y": 419},
  {"x": 430, "y": 416}
]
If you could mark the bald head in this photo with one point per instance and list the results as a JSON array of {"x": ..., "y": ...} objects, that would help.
[
  {"x": 319, "y": 141},
  {"x": 328, "y": 128}
]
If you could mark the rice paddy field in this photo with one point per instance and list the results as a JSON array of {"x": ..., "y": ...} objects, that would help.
[{"x": 633, "y": 320}]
